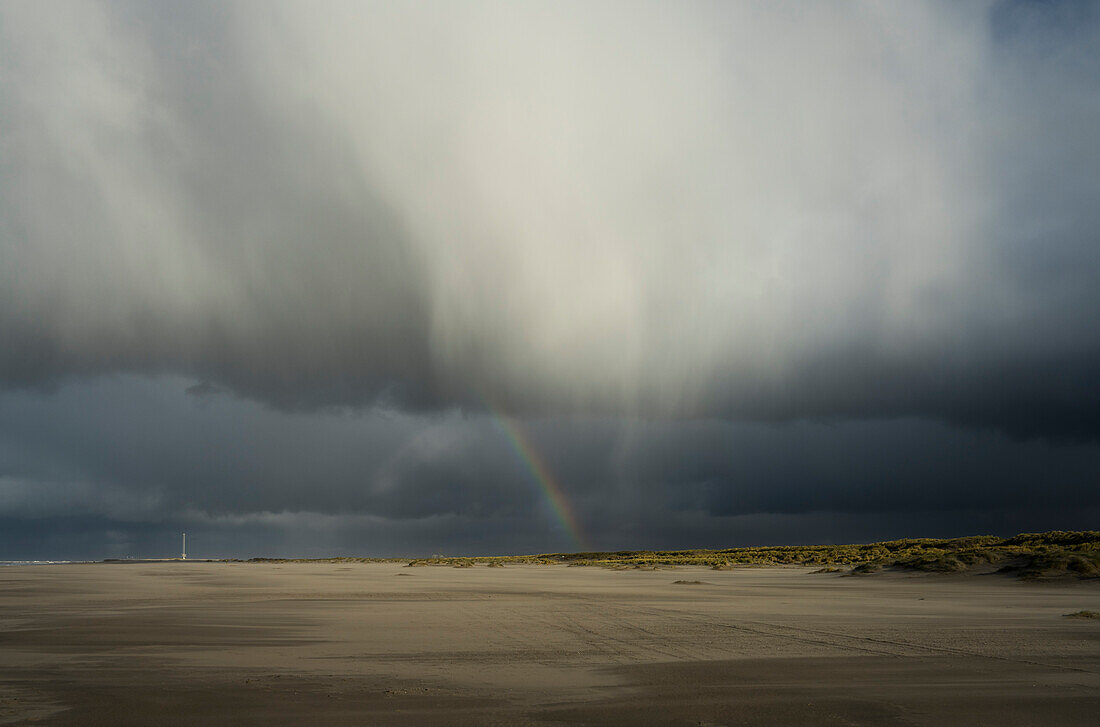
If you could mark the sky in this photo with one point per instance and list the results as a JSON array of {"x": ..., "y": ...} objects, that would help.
[{"x": 402, "y": 279}]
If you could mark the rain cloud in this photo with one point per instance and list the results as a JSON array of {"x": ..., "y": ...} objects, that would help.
[{"x": 725, "y": 242}]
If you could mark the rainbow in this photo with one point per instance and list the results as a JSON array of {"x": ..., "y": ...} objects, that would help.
[{"x": 540, "y": 472}]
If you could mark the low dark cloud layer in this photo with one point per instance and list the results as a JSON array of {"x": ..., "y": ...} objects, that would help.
[
  {"x": 143, "y": 459},
  {"x": 756, "y": 270}
]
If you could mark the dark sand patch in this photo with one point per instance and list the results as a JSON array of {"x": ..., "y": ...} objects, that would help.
[
  {"x": 850, "y": 691},
  {"x": 174, "y": 698},
  {"x": 1084, "y": 614}
]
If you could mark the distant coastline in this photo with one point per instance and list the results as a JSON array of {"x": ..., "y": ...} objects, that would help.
[
  {"x": 1056, "y": 554},
  {"x": 1052, "y": 555},
  {"x": 42, "y": 562}
]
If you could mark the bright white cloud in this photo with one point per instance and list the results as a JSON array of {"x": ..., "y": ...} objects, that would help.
[{"x": 629, "y": 208}]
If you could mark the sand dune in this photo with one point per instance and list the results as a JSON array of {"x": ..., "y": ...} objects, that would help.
[{"x": 336, "y": 644}]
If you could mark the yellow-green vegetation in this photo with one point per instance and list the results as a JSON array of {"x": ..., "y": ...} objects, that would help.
[
  {"x": 1029, "y": 555},
  {"x": 1083, "y": 614},
  {"x": 1036, "y": 556}
]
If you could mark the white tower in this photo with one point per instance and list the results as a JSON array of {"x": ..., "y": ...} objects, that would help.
[{"x": 183, "y": 556}]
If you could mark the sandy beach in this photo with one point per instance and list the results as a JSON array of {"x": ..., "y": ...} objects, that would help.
[{"x": 364, "y": 644}]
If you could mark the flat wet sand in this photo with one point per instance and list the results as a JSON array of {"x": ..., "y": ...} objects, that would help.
[{"x": 382, "y": 644}]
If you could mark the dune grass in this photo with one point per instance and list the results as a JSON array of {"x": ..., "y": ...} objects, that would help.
[
  {"x": 1033, "y": 556},
  {"x": 1084, "y": 614}
]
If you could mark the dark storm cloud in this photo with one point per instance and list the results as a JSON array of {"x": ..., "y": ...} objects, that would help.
[
  {"x": 748, "y": 273},
  {"x": 122, "y": 465},
  {"x": 758, "y": 211},
  {"x": 135, "y": 446}
]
